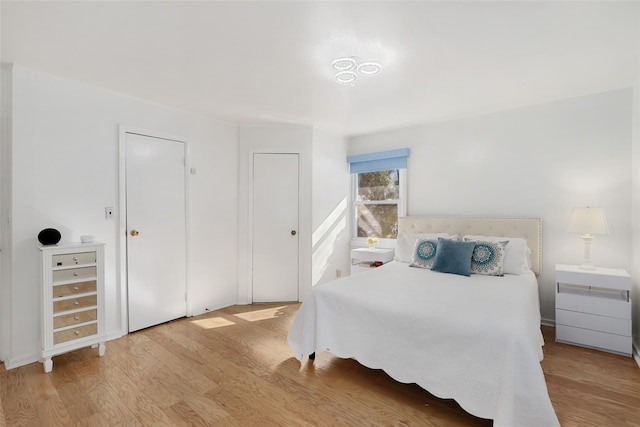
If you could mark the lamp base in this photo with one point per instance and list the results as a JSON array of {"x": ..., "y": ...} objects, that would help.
[{"x": 586, "y": 262}]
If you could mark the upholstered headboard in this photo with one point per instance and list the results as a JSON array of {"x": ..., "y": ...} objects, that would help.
[{"x": 529, "y": 229}]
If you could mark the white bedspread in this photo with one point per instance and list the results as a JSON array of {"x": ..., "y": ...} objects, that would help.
[{"x": 474, "y": 339}]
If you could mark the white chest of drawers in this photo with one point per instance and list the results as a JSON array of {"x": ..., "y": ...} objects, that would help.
[
  {"x": 72, "y": 277},
  {"x": 593, "y": 308}
]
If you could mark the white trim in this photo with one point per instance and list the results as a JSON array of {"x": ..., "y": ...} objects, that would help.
[
  {"x": 187, "y": 227},
  {"x": 402, "y": 206},
  {"x": 11, "y": 363},
  {"x": 548, "y": 322},
  {"x": 275, "y": 139},
  {"x": 121, "y": 241},
  {"x": 6, "y": 211}
]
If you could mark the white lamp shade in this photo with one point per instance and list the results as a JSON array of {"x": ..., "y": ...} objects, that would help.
[{"x": 588, "y": 221}]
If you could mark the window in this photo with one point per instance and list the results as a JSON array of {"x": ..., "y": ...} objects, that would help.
[
  {"x": 378, "y": 192},
  {"x": 378, "y": 202}
]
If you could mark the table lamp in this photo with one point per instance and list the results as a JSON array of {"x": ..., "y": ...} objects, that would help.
[{"x": 588, "y": 221}]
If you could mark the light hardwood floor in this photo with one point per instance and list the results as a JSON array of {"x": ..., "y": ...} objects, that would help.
[{"x": 232, "y": 367}]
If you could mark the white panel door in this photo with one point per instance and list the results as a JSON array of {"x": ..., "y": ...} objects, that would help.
[
  {"x": 275, "y": 227},
  {"x": 156, "y": 230}
]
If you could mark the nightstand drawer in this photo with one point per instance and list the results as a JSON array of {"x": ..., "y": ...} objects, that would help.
[
  {"x": 74, "y": 303},
  {"x": 74, "y": 289},
  {"x": 75, "y": 333},
  {"x": 74, "y": 318},
  {"x": 603, "y": 303},
  {"x": 594, "y": 322},
  {"x": 595, "y": 339},
  {"x": 67, "y": 260},
  {"x": 73, "y": 273},
  {"x": 600, "y": 277}
]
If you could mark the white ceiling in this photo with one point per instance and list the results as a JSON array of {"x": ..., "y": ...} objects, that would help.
[{"x": 265, "y": 62}]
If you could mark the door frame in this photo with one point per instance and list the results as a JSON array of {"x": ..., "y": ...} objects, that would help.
[
  {"x": 252, "y": 153},
  {"x": 121, "y": 240}
]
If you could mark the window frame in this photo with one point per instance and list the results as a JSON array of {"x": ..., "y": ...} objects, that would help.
[{"x": 401, "y": 202}]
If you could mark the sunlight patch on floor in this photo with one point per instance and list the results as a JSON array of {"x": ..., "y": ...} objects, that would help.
[
  {"x": 264, "y": 314},
  {"x": 212, "y": 322}
]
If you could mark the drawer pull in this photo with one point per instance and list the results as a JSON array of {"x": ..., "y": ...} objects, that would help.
[
  {"x": 76, "y": 318},
  {"x": 75, "y": 288},
  {"x": 76, "y": 332},
  {"x": 75, "y": 274},
  {"x": 76, "y": 303},
  {"x": 75, "y": 258}
]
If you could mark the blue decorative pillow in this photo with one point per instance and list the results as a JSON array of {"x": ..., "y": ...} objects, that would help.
[
  {"x": 453, "y": 257},
  {"x": 488, "y": 258},
  {"x": 424, "y": 253}
]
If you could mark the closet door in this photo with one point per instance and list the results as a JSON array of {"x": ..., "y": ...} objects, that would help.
[{"x": 275, "y": 227}]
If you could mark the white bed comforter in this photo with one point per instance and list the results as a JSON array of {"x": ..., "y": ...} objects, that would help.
[{"x": 474, "y": 339}]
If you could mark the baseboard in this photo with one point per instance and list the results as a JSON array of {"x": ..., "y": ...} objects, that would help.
[
  {"x": 113, "y": 336},
  {"x": 209, "y": 308},
  {"x": 548, "y": 322},
  {"x": 21, "y": 361}
]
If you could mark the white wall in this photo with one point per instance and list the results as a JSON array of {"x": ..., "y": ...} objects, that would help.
[
  {"x": 65, "y": 171},
  {"x": 273, "y": 139},
  {"x": 330, "y": 216},
  {"x": 635, "y": 251},
  {"x": 540, "y": 161},
  {"x": 5, "y": 192}
]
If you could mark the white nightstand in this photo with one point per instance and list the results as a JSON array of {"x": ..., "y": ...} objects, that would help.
[
  {"x": 363, "y": 259},
  {"x": 593, "y": 308}
]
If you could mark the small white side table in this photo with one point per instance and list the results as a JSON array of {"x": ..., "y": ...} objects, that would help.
[
  {"x": 363, "y": 259},
  {"x": 593, "y": 308}
]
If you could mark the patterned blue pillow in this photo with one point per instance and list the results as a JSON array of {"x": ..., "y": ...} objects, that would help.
[
  {"x": 424, "y": 253},
  {"x": 488, "y": 258}
]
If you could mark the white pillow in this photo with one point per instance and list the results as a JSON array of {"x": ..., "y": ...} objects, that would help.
[
  {"x": 406, "y": 242},
  {"x": 517, "y": 257}
]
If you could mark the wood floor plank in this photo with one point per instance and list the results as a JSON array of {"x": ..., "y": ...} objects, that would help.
[
  {"x": 3, "y": 421},
  {"x": 145, "y": 410},
  {"x": 232, "y": 367},
  {"x": 54, "y": 411},
  {"x": 183, "y": 415},
  {"x": 117, "y": 414},
  {"x": 96, "y": 420},
  {"x": 206, "y": 408}
]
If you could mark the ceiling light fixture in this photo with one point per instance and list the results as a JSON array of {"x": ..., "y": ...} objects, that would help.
[
  {"x": 346, "y": 77},
  {"x": 344, "y": 64},
  {"x": 369, "y": 68},
  {"x": 348, "y": 69}
]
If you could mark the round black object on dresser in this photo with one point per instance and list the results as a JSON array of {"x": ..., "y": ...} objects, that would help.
[{"x": 49, "y": 236}]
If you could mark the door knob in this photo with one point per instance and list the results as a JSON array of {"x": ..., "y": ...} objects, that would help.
[
  {"x": 293, "y": 232},
  {"x": 134, "y": 233}
]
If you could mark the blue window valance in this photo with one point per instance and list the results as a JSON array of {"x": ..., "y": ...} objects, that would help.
[{"x": 380, "y": 161}]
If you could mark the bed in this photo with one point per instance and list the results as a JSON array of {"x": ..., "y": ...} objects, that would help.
[{"x": 473, "y": 338}]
